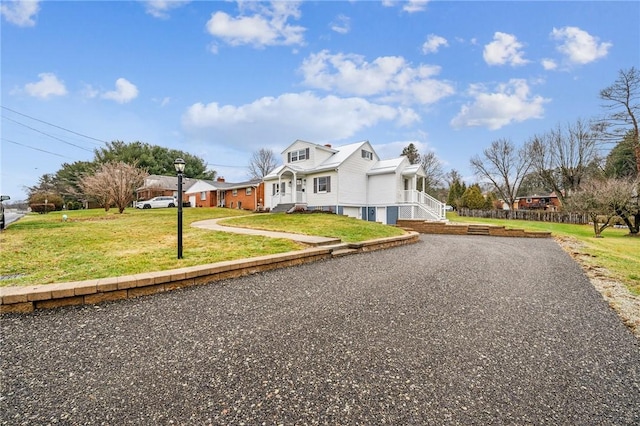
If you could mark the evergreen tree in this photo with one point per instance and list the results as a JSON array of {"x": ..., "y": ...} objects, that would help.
[{"x": 411, "y": 152}]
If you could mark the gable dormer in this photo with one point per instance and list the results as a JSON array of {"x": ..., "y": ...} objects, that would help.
[{"x": 306, "y": 154}]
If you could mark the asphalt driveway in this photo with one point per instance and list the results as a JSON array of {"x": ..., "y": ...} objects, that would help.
[{"x": 452, "y": 330}]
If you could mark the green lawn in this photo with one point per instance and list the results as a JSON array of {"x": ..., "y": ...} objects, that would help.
[
  {"x": 346, "y": 228},
  {"x": 43, "y": 249},
  {"x": 617, "y": 251}
]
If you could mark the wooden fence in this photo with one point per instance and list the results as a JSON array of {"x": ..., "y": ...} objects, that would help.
[{"x": 537, "y": 215}]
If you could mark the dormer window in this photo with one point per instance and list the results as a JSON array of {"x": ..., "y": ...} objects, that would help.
[
  {"x": 367, "y": 154},
  {"x": 299, "y": 155}
]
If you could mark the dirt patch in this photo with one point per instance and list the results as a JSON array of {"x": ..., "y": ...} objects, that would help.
[{"x": 626, "y": 305}]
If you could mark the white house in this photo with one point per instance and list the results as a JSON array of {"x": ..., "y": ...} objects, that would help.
[{"x": 350, "y": 180}]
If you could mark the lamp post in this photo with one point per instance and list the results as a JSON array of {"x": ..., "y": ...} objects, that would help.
[{"x": 179, "y": 165}]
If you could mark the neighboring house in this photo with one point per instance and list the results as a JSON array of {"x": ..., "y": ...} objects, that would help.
[
  {"x": 549, "y": 202},
  {"x": 157, "y": 185},
  {"x": 350, "y": 180},
  {"x": 244, "y": 195}
]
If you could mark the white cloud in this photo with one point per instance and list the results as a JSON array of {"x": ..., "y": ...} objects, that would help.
[
  {"x": 415, "y": 6},
  {"x": 504, "y": 49},
  {"x": 510, "y": 102},
  {"x": 267, "y": 26},
  {"x": 549, "y": 64},
  {"x": 388, "y": 77},
  {"x": 20, "y": 12},
  {"x": 160, "y": 8},
  {"x": 48, "y": 86},
  {"x": 579, "y": 46},
  {"x": 125, "y": 92},
  {"x": 341, "y": 25},
  {"x": 287, "y": 117},
  {"x": 409, "y": 6},
  {"x": 433, "y": 43}
]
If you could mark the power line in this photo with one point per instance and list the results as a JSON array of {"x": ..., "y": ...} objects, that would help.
[
  {"x": 53, "y": 125},
  {"x": 46, "y": 134},
  {"x": 37, "y": 149}
]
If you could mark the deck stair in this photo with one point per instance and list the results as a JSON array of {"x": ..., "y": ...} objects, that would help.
[{"x": 478, "y": 230}]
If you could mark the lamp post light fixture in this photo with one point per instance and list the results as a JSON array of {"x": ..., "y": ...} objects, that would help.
[{"x": 179, "y": 165}]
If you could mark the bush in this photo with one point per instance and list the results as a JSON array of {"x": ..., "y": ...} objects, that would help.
[{"x": 53, "y": 202}]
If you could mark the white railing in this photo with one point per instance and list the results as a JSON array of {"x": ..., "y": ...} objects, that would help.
[{"x": 424, "y": 206}]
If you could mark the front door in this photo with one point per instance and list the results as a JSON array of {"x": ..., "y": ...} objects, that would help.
[
  {"x": 371, "y": 214},
  {"x": 299, "y": 191}
]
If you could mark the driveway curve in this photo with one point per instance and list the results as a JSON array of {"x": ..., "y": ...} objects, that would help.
[{"x": 451, "y": 330}]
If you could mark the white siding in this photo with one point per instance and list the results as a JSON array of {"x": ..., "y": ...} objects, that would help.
[
  {"x": 383, "y": 189},
  {"x": 200, "y": 186},
  {"x": 323, "y": 199},
  {"x": 353, "y": 179}
]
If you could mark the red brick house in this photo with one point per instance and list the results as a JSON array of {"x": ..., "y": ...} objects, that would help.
[
  {"x": 549, "y": 202},
  {"x": 219, "y": 193}
]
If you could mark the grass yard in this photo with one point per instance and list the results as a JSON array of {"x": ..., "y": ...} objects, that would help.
[
  {"x": 346, "y": 228},
  {"x": 617, "y": 252},
  {"x": 44, "y": 249}
]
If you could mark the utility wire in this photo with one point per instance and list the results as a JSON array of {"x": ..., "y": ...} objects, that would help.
[
  {"x": 47, "y": 134},
  {"x": 53, "y": 125},
  {"x": 37, "y": 149}
]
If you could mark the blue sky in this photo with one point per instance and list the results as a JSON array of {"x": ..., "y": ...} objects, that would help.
[{"x": 223, "y": 79}]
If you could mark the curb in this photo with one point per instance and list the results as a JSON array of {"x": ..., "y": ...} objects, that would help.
[{"x": 30, "y": 298}]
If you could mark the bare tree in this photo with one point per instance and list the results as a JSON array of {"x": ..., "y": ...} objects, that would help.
[
  {"x": 505, "y": 166},
  {"x": 562, "y": 157},
  {"x": 262, "y": 163},
  {"x": 433, "y": 169},
  {"x": 114, "y": 183},
  {"x": 623, "y": 110},
  {"x": 602, "y": 200}
]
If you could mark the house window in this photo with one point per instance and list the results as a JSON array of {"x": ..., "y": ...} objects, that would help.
[
  {"x": 367, "y": 154},
  {"x": 322, "y": 184},
  {"x": 299, "y": 155},
  {"x": 528, "y": 200},
  {"x": 203, "y": 195},
  {"x": 275, "y": 188},
  {"x": 235, "y": 192},
  {"x": 248, "y": 191}
]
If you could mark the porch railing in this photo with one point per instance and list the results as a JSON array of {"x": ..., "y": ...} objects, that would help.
[{"x": 424, "y": 206}]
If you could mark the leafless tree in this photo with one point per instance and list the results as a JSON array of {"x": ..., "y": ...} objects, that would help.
[
  {"x": 262, "y": 163},
  {"x": 562, "y": 157},
  {"x": 505, "y": 166},
  {"x": 623, "y": 110},
  {"x": 114, "y": 183},
  {"x": 603, "y": 199},
  {"x": 433, "y": 169}
]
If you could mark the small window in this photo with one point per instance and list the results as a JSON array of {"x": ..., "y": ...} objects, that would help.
[
  {"x": 299, "y": 155},
  {"x": 528, "y": 200},
  {"x": 235, "y": 193},
  {"x": 367, "y": 154},
  {"x": 248, "y": 191},
  {"x": 322, "y": 184}
]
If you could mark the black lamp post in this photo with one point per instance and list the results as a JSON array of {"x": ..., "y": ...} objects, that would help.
[{"x": 179, "y": 165}]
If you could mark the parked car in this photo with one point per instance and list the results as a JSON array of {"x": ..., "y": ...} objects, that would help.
[
  {"x": 157, "y": 202},
  {"x": 2, "y": 198}
]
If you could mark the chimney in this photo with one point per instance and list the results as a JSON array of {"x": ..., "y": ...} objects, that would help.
[
  {"x": 220, "y": 179},
  {"x": 328, "y": 145}
]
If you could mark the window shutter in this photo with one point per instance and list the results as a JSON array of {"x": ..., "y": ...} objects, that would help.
[
  {"x": 315, "y": 185},
  {"x": 273, "y": 188},
  {"x": 307, "y": 152},
  {"x": 283, "y": 187},
  {"x": 328, "y": 183},
  {"x": 288, "y": 157}
]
